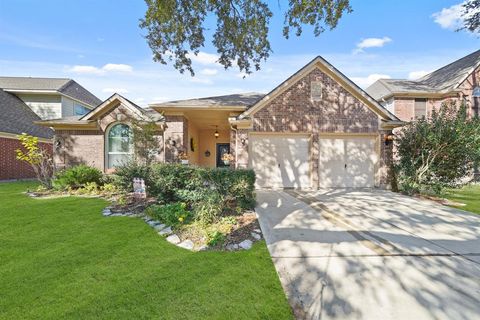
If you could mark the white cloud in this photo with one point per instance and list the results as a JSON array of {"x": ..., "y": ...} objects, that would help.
[
  {"x": 109, "y": 67},
  {"x": 414, "y": 75},
  {"x": 372, "y": 43},
  {"x": 86, "y": 70},
  {"x": 209, "y": 72},
  {"x": 449, "y": 18},
  {"x": 117, "y": 67},
  {"x": 368, "y": 80},
  {"x": 114, "y": 90},
  {"x": 204, "y": 58}
]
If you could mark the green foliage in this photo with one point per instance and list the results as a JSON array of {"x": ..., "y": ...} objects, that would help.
[
  {"x": 77, "y": 177},
  {"x": 132, "y": 169},
  {"x": 176, "y": 30},
  {"x": 171, "y": 214},
  {"x": 437, "y": 152},
  {"x": 91, "y": 188},
  {"x": 37, "y": 157},
  {"x": 145, "y": 143},
  {"x": 471, "y": 16},
  {"x": 209, "y": 208},
  {"x": 214, "y": 238}
]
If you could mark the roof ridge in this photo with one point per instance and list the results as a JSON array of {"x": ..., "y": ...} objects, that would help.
[{"x": 425, "y": 77}]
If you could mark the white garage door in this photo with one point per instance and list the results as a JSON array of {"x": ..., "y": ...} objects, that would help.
[
  {"x": 280, "y": 161},
  {"x": 347, "y": 162}
]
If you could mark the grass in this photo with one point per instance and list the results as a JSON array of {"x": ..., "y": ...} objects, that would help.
[
  {"x": 470, "y": 195},
  {"x": 59, "y": 258}
]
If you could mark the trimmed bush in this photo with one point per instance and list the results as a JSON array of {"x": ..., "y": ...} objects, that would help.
[
  {"x": 126, "y": 172},
  {"x": 77, "y": 177}
]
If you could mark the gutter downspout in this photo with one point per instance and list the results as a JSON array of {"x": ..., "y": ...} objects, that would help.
[{"x": 236, "y": 145}]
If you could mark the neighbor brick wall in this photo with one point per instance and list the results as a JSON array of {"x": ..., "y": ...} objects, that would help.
[
  {"x": 10, "y": 167},
  {"x": 293, "y": 111}
]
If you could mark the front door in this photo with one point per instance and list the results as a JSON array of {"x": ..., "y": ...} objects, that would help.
[{"x": 222, "y": 148}]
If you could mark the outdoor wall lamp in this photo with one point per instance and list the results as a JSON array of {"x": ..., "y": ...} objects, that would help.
[
  {"x": 216, "y": 133},
  {"x": 389, "y": 138}
]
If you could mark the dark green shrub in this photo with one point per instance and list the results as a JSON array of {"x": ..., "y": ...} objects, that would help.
[
  {"x": 171, "y": 214},
  {"x": 77, "y": 177},
  {"x": 214, "y": 238},
  {"x": 126, "y": 172}
]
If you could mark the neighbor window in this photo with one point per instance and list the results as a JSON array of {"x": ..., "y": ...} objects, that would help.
[
  {"x": 80, "y": 110},
  {"x": 420, "y": 108},
  {"x": 119, "y": 145}
]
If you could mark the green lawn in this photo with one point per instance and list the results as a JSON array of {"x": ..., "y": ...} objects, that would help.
[
  {"x": 59, "y": 258},
  {"x": 470, "y": 195}
]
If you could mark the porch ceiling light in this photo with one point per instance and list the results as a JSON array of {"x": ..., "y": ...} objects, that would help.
[{"x": 216, "y": 133}]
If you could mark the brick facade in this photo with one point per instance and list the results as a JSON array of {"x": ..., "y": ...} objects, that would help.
[
  {"x": 10, "y": 167},
  {"x": 176, "y": 137},
  {"x": 293, "y": 111}
]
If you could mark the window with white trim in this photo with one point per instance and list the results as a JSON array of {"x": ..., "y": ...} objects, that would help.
[{"x": 119, "y": 145}]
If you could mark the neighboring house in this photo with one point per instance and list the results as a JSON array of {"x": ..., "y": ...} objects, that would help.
[
  {"x": 25, "y": 100},
  {"x": 316, "y": 129},
  {"x": 17, "y": 118},
  {"x": 51, "y": 98},
  {"x": 412, "y": 99}
]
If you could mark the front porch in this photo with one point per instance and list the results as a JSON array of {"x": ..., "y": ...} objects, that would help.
[{"x": 202, "y": 133}]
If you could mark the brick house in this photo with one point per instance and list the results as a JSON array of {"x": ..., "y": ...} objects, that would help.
[
  {"x": 316, "y": 129},
  {"x": 25, "y": 100},
  {"x": 411, "y": 99}
]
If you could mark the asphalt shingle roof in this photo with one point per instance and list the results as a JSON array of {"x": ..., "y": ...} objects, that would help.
[
  {"x": 68, "y": 87},
  {"x": 239, "y": 99},
  {"x": 442, "y": 80},
  {"x": 17, "y": 118}
]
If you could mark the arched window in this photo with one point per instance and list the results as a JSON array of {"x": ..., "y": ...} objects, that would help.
[{"x": 119, "y": 145}]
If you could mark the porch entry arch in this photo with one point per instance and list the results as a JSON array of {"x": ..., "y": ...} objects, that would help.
[{"x": 118, "y": 144}]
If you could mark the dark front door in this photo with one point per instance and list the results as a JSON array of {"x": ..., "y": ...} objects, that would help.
[{"x": 222, "y": 148}]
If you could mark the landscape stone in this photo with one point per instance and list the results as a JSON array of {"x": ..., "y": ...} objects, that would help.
[
  {"x": 232, "y": 246},
  {"x": 106, "y": 212},
  {"x": 202, "y": 247},
  {"x": 186, "y": 244},
  {"x": 166, "y": 231},
  {"x": 257, "y": 230},
  {"x": 159, "y": 227},
  {"x": 173, "y": 239},
  {"x": 153, "y": 223},
  {"x": 246, "y": 244},
  {"x": 256, "y": 236}
]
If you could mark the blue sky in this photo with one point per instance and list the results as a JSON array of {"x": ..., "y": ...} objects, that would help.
[{"x": 99, "y": 44}]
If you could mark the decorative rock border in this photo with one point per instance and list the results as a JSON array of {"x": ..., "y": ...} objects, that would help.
[{"x": 166, "y": 231}]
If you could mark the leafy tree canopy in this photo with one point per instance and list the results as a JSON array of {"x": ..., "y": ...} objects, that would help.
[
  {"x": 176, "y": 29},
  {"x": 471, "y": 16}
]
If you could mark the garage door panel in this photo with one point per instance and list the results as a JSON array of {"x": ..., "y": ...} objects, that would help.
[
  {"x": 347, "y": 162},
  {"x": 280, "y": 162}
]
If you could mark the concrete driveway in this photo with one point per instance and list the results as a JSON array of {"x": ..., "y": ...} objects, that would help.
[{"x": 372, "y": 254}]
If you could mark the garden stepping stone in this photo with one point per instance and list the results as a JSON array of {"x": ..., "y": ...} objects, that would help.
[
  {"x": 173, "y": 239},
  {"x": 187, "y": 244},
  {"x": 159, "y": 227},
  {"x": 165, "y": 232},
  {"x": 246, "y": 244}
]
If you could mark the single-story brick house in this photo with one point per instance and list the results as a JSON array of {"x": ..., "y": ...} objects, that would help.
[
  {"x": 412, "y": 99},
  {"x": 316, "y": 129}
]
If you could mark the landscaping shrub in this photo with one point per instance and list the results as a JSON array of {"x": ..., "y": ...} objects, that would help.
[
  {"x": 209, "y": 208},
  {"x": 171, "y": 214},
  {"x": 125, "y": 173},
  {"x": 77, "y": 177}
]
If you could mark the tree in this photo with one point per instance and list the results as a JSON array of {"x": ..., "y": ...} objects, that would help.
[
  {"x": 38, "y": 158},
  {"x": 176, "y": 29},
  {"x": 437, "y": 152},
  {"x": 471, "y": 16},
  {"x": 145, "y": 143}
]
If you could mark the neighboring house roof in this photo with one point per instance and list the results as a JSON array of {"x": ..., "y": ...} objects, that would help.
[
  {"x": 443, "y": 80},
  {"x": 67, "y": 87},
  {"x": 88, "y": 120},
  {"x": 230, "y": 100},
  {"x": 328, "y": 68},
  {"x": 17, "y": 118}
]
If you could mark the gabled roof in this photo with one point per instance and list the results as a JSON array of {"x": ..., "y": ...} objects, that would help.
[
  {"x": 441, "y": 81},
  {"x": 325, "y": 66},
  {"x": 17, "y": 118},
  {"x": 231, "y": 100},
  {"x": 67, "y": 87}
]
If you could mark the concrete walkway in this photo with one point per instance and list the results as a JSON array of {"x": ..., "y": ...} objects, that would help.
[{"x": 371, "y": 254}]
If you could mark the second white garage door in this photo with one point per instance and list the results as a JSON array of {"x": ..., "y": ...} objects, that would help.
[
  {"x": 280, "y": 161},
  {"x": 347, "y": 162}
]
